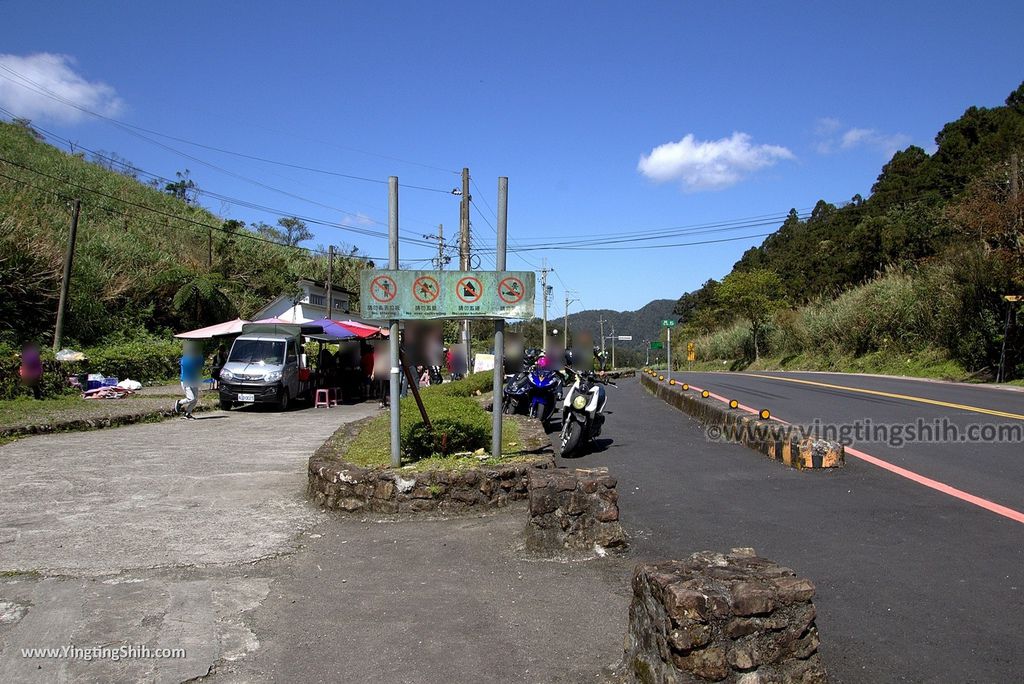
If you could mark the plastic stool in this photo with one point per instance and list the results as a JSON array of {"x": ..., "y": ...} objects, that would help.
[{"x": 322, "y": 399}]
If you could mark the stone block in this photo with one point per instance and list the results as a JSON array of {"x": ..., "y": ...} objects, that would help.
[
  {"x": 572, "y": 510},
  {"x": 716, "y": 617}
]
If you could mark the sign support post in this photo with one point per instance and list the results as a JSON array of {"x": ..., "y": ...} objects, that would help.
[
  {"x": 395, "y": 389},
  {"x": 499, "y": 324},
  {"x": 668, "y": 324}
]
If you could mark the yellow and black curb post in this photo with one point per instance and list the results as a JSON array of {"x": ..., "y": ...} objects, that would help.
[{"x": 756, "y": 431}]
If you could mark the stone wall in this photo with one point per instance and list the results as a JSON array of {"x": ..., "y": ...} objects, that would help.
[
  {"x": 771, "y": 438},
  {"x": 721, "y": 618},
  {"x": 341, "y": 486},
  {"x": 573, "y": 510}
]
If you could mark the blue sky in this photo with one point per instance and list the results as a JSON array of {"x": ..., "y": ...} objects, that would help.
[{"x": 608, "y": 118}]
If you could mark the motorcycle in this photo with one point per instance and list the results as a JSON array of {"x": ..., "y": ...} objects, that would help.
[
  {"x": 535, "y": 390},
  {"x": 582, "y": 411}
]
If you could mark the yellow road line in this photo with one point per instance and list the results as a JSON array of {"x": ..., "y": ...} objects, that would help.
[{"x": 892, "y": 395}]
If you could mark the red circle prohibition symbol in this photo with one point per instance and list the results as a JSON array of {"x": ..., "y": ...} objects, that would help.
[
  {"x": 511, "y": 290},
  {"x": 469, "y": 289},
  {"x": 425, "y": 289},
  {"x": 383, "y": 288}
]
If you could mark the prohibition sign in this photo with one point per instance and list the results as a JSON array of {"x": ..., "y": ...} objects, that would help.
[
  {"x": 425, "y": 289},
  {"x": 469, "y": 289},
  {"x": 383, "y": 289},
  {"x": 511, "y": 290}
]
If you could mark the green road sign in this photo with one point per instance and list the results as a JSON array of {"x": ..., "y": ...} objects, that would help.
[
  {"x": 420, "y": 295},
  {"x": 657, "y": 345},
  {"x": 668, "y": 323}
]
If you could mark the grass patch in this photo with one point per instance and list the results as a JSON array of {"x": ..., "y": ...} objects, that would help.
[
  {"x": 22, "y": 574},
  {"x": 925, "y": 364},
  {"x": 67, "y": 410},
  {"x": 453, "y": 405}
]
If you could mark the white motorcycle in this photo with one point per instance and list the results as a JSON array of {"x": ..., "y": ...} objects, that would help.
[{"x": 582, "y": 411}]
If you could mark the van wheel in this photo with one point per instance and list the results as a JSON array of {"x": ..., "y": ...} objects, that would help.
[{"x": 282, "y": 403}]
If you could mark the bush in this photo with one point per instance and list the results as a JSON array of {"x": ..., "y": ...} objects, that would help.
[
  {"x": 143, "y": 360},
  {"x": 460, "y": 424},
  {"x": 467, "y": 387}
]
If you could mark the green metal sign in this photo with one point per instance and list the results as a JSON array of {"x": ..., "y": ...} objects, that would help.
[
  {"x": 657, "y": 345},
  {"x": 668, "y": 323},
  {"x": 424, "y": 295}
]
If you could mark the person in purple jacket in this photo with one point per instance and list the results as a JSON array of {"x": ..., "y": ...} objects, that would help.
[{"x": 31, "y": 370}]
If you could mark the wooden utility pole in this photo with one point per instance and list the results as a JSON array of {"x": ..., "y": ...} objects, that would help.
[
  {"x": 440, "y": 246},
  {"x": 330, "y": 281},
  {"x": 65, "y": 284},
  {"x": 544, "y": 296},
  {"x": 464, "y": 247},
  {"x": 600, "y": 322}
]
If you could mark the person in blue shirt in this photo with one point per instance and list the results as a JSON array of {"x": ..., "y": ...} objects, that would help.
[{"x": 191, "y": 377}]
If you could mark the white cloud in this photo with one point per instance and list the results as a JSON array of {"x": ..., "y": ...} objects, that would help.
[
  {"x": 709, "y": 164},
  {"x": 34, "y": 85},
  {"x": 358, "y": 219},
  {"x": 830, "y": 140}
]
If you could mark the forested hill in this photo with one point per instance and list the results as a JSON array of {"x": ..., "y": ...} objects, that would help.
[
  {"x": 143, "y": 262},
  {"x": 642, "y": 324},
  {"x": 958, "y": 209}
]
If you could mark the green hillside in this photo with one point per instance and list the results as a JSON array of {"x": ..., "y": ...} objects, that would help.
[
  {"x": 642, "y": 324},
  {"x": 918, "y": 268},
  {"x": 143, "y": 261}
]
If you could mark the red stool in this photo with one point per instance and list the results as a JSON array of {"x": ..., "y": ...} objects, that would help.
[{"x": 323, "y": 399}]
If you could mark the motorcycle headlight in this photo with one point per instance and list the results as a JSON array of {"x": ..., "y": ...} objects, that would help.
[
  {"x": 272, "y": 376},
  {"x": 225, "y": 374},
  {"x": 579, "y": 402}
]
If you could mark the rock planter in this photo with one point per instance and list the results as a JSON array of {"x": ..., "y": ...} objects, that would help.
[
  {"x": 341, "y": 486},
  {"x": 573, "y": 510},
  {"x": 721, "y": 618}
]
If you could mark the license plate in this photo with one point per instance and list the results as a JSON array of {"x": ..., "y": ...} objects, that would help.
[{"x": 247, "y": 398}]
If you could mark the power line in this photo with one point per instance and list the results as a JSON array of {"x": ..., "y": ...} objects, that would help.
[
  {"x": 46, "y": 92},
  {"x": 128, "y": 128},
  {"x": 243, "y": 203}
]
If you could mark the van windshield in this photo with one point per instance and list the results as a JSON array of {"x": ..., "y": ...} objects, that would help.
[{"x": 265, "y": 352}]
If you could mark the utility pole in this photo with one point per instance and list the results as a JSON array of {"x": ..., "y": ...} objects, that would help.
[
  {"x": 440, "y": 246},
  {"x": 600, "y": 322},
  {"x": 565, "y": 344},
  {"x": 396, "y": 446},
  {"x": 330, "y": 281},
  {"x": 464, "y": 244},
  {"x": 613, "y": 347},
  {"x": 65, "y": 283},
  {"x": 544, "y": 295},
  {"x": 499, "y": 325},
  {"x": 209, "y": 247}
]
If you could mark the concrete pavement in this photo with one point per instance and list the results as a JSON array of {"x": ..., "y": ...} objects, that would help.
[{"x": 146, "y": 535}]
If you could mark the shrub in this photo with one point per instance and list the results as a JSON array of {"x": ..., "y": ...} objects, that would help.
[
  {"x": 143, "y": 360},
  {"x": 460, "y": 424}
]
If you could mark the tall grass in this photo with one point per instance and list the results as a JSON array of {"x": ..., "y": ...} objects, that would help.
[{"x": 949, "y": 305}]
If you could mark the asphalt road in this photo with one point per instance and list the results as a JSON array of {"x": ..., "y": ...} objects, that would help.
[
  {"x": 989, "y": 469},
  {"x": 913, "y": 584}
]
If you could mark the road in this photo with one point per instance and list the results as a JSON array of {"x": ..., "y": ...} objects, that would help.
[
  {"x": 890, "y": 407},
  {"x": 913, "y": 584}
]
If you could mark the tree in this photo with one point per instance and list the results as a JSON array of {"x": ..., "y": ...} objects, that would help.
[
  {"x": 201, "y": 301},
  {"x": 184, "y": 188},
  {"x": 756, "y": 295},
  {"x": 291, "y": 231}
]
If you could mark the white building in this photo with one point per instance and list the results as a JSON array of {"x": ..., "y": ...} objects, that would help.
[{"x": 309, "y": 304}]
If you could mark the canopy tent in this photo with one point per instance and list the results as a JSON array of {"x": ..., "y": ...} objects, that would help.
[
  {"x": 365, "y": 331},
  {"x": 331, "y": 331},
  {"x": 221, "y": 329}
]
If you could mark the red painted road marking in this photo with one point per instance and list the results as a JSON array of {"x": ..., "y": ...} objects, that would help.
[{"x": 949, "y": 490}]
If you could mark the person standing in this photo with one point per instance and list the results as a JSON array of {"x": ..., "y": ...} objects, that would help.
[
  {"x": 31, "y": 370},
  {"x": 191, "y": 376}
]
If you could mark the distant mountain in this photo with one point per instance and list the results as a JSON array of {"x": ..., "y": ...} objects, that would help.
[{"x": 642, "y": 324}]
